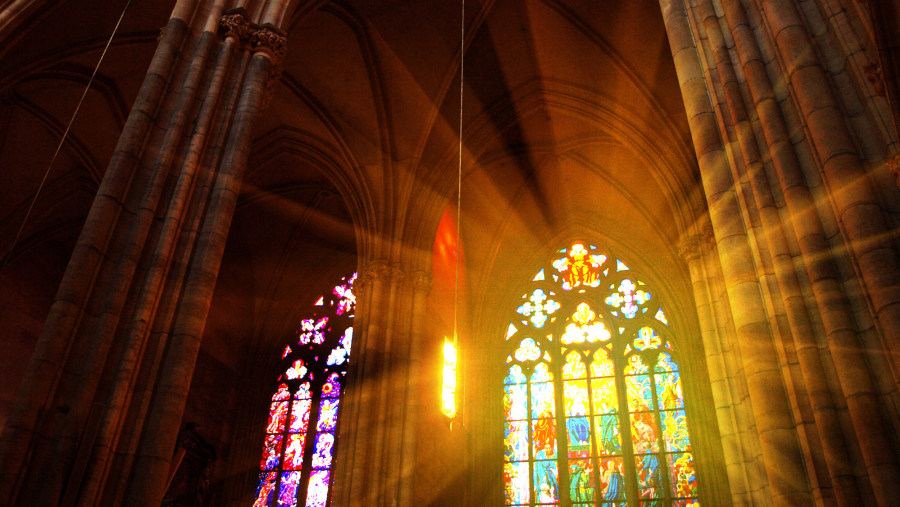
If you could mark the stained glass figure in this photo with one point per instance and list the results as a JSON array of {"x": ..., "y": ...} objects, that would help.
[
  {"x": 296, "y": 463},
  {"x": 592, "y": 397}
]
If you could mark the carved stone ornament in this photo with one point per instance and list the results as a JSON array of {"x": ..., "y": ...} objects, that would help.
[
  {"x": 234, "y": 24},
  {"x": 689, "y": 247},
  {"x": 875, "y": 77},
  {"x": 271, "y": 41},
  {"x": 709, "y": 236},
  {"x": 421, "y": 281},
  {"x": 893, "y": 165}
]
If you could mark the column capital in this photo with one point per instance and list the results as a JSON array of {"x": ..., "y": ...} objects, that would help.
[
  {"x": 397, "y": 274},
  {"x": 893, "y": 165},
  {"x": 234, "y": 24},
  {"x": 422, "y": 281},
  {"x": 689, "y": 247},
  {"x": 269, "y": 40}
]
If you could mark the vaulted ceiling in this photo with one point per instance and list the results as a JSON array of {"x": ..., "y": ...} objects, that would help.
[{"x": 572, "y": 127}]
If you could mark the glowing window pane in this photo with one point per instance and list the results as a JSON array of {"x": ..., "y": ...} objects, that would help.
[
  {"x": 516, "y": 440},
  {"x": 282, "y": 393},
  {"x": 661, "y": 316},
  {"x": 541, "y": 373},
  {"x": 515, "y": 375},
  {"x": 297, "y": 370},
  {"x": 538, "y": 307},
  {"x": 543, "y": 438},
  {"x": 277, "y": 416},
  {"x": 647, "y": 338},
  {"x": 324, "y": 444},
  {"x": 640, "y": 394},
  {"x": 299, "y": 416},
  {"x": 609, "y": 441},
  {"x": 684, "y": 478},
  {"x": 545, "y": 482},
  {"x": 668, "y": 390},
  {"x": 643, "y": 433},
  {"x": 515, "y": 401},
  {"x": 318, "y": 488},
  {"x": 265, "y": 490},
  {"x": 664, "y": 363},
  {"x": 574, "y": 367},
  {"x": 293, "y": 455},
  {"x": 332, "y": 387},
  {"x": 675, "y": 431},
  {"x": 612, "y": 480},
  {"x": 649, "y": 481},
  {"x": 271, "y": 452},
  {"x": 528, "y": 350},
  {"x": 542, "y": 402},
  {"x": 517, "y": 483},
  {"x": 581, "y": 479},
  {"x": 327, "y": 415},
  {"x": 602, "y": 365},
  {"x": 287, "y": 492}
]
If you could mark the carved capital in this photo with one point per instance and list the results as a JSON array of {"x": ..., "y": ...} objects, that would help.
[
  {"x": 689, "y": 247},
  {"x": 875, "y": 77},
  {"x": 234, "y": 24},
  {"x": 422, "y": 281},
  {"x": 377, "y": 270},
  {"x": 708, "y": 236},
  {"x": 893, "y": 165},
  {"x": 397, "y": 274},
  {"x": 269, "y": 40}
]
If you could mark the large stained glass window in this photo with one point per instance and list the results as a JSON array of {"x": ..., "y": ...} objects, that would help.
[
  {"x": 594, "y": 412},
  {"x": 301, "y": 435}
]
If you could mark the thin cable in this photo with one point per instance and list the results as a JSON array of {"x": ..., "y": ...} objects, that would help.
[
  {"x": 62, "y": 140},
  {"x": 462, "y": 56}
]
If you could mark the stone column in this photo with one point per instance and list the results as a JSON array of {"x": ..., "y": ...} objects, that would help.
[
  {"x": 421, "y": 287},
  {"x": 861, "y": 218},
  {"x": 359, "y": 423},
  {"x": 780, "y": 447},
  {"x": 149, "y": 251},
  {"x": 872, "y": 431},
  {"x": 689, "y": 249},
  {"x": 376, "y": 457},
  {"x": 801, "y": 330}
]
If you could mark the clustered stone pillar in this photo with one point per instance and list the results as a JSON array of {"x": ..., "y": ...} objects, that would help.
[
  {"x": 734, "y": 448},
  {"x": 98, "y": 414},
  {"x": 375, "y": 465},
  {"x": 771, "y": 408},
  {"x": 728, "y": 52}
]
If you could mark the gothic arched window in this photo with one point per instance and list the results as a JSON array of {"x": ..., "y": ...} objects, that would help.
[
  {"x": 301, "y": 433},
  {"x": 594, "y": 413}
]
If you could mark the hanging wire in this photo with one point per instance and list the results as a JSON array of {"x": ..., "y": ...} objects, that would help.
[
  {"x": 62, "y": 140},
  {"x": 462, "y": 56}
]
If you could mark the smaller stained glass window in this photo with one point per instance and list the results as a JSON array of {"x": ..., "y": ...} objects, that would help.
[{"x": 301, "y": 432}]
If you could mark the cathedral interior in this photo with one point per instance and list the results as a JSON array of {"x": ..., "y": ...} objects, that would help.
[{"x": 545, "y": 184}]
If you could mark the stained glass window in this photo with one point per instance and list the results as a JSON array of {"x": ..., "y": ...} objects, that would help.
[
  {"x": 594, "y": 411},
  {"x": 301, "y": 434}
]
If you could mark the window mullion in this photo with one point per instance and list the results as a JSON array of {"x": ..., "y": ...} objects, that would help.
[
  {"x": 631, "y": 486},
  {"x": 562, "y": 444},
  {"x": 309, "y": 442}
]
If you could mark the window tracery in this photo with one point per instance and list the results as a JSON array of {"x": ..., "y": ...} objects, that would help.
[{"x": 594, "y": 411}]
